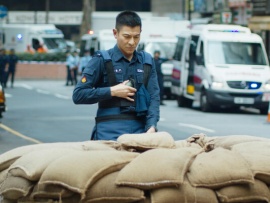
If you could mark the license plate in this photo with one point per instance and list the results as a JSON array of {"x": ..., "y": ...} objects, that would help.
[
  {"x": 167, "y": 84},
  {"x": 266, "y": 97},
  {"x": 243, "y": 100}
]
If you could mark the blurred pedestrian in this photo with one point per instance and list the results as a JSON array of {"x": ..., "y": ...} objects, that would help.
[
  {"x": 84, "y": 61},
  {"x": 158, "y": 61},
  {"x": 3, "y": 65},
  {"x": 69, "y": 65},
  {"x": 12, "y": 62},
  {"x": 74, "y": 70},
  {"x": 30, "y": 50},
  {"x": 41, "y": 49}
]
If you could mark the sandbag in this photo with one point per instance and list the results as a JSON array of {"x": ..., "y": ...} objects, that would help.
[
  {"x": 257, "y": 192},
  {"x": 106, "y": 191},
  {"x": 14, "y": 188},
  {"x": 50, "y": 192},
  {"x": 185, "y": 143},
  {"x": 3, "y": 176},
  {"x": 30, "y": 166},
  {"x": 184, "y": 193},
  {"x": 8, "y": 200},
  {"x": 157, "y": 168},
  {"x": 257, "y": 154},
  {"x": 9, "y": 157},
  {"x": 145, "y": 141},
  {"x": 73, "y": 199},
  {"x": 200, "y": 139},
  {"x": 229, "y": 141},
  {"x": 81, "y": 169},
  {"x": 218, "y": 168}
]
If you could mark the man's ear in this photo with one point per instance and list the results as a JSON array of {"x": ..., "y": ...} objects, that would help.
[{"x": 115, "y": 33}]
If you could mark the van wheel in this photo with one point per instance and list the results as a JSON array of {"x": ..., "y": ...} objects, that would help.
[
  {"x": 264, "y": 111},
  {"x": 184, "y": 102},
  {"x": 204, "y": 103}
]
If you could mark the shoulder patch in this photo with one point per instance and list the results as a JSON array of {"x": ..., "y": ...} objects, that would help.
[{"x": 83, "y": 80}]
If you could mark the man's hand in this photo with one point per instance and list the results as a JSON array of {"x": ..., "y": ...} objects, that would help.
[
  {"x": 123, "y": 91},
  {"x": 151, "y": 130}
]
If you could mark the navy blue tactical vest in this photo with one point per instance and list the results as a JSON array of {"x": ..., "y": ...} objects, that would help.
[{"x": 119, "y": 102}]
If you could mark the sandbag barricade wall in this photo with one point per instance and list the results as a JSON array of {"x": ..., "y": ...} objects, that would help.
[{"x": 140, "y": 168}]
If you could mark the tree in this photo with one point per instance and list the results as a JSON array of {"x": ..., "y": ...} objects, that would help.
[{"x": 88, "y": 7}]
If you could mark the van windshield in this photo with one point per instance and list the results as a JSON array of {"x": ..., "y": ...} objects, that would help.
[
  {"x": 235, "y": 53},
  {"x": 55, "y": 43},
  {"x": 166, "y": 48}
]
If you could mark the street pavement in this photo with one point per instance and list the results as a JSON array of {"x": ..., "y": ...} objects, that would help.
[{"x": 10, "y": 139}]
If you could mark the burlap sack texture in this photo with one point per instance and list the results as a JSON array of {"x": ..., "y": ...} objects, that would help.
[{"x": 199, "y": 169}]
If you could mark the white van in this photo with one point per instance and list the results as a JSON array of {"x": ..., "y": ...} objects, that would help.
[
  {"x": 160, "y": 35},
  {"x": 27, "y": 37},
  {"x": 221, "y": 66},
  {"x": 103, "y": 40}
]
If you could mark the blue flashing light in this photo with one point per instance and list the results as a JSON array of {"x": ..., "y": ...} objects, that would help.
[
  {"x": 230, "y": 30},
  {"x": 19, "y": 36},
  {"x": 254, "y": 85}
]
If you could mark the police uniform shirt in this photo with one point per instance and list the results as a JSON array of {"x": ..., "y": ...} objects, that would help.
[
  {"x": 70, "y": 61},
  {"x": 84, "y": 61},
  {"x": 76, "y": 61},
  {"x": 12, "y": 60},
  {"x": 94, "y": 87}
]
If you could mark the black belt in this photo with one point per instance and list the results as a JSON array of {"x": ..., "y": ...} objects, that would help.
[
  {"x": 119, "y": 117},
  {"x": 115, "y": 102}
]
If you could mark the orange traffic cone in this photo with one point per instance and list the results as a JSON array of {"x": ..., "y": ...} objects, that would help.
[{"x": 268, "y": 116}]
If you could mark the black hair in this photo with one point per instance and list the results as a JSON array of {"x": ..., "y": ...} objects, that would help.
[{"x": 128, "y": 18}]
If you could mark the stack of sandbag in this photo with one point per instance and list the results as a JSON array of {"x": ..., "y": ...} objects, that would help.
[{"x": 139, "y": 168}]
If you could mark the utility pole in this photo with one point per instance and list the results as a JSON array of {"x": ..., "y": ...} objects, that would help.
[
  {"x": 88, "y": 7},
  {"x": 189, "y": 10},
  {"x": 47, "y": 9}
]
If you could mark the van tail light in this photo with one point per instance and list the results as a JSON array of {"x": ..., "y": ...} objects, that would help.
[{"x": 176, "y": 74}]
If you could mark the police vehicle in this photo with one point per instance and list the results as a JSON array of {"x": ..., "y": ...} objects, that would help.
[{"x": 221, "y": 66}]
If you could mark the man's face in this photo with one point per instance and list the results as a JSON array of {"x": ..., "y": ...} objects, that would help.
[
  {"x": 157, "y": 54},
  {"x": 127, "y": 39}
]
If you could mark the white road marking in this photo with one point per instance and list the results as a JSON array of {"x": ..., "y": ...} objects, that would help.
[
  {"x": 197, "y": 127},
  {"x": 25, "y": 86},
  {"x": 162, "y": 119},
  {"x": 62, "y": 96},
  {"x": 16, "y": 133},
  {"x": 43, "y": 91},
  {"x": 8, "y": 95}
]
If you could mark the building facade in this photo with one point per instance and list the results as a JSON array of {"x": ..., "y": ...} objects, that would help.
[{"x": 66, "y": 16}]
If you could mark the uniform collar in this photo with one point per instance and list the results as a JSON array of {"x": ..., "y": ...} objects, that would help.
[{"x": 118, "y": 55}]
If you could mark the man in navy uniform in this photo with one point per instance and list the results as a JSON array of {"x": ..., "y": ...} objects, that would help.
[
  {"x": 12, "y": 62},
  {"x": 3, "y": 64},
  {"x": 124, "y": 84},
  {"x": 158, "y": 61}
]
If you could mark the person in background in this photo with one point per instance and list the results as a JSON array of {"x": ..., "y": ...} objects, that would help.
[
  {"x": 84, "y": 61},
  {"x": 30, "y": 50},
  {"x": 74, "y": 70},
  {"x": 125, "y": 87},
  {"x": 158, "y": 61},
  {"x": 41, "y": 49},
  {"x": 12, "y": 62},
  {"x": 3, "y": 65},
  {"x": 69, "y": 65}
]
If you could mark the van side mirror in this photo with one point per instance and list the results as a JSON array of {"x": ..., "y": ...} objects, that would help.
[{"x": 200, "y": 60}]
